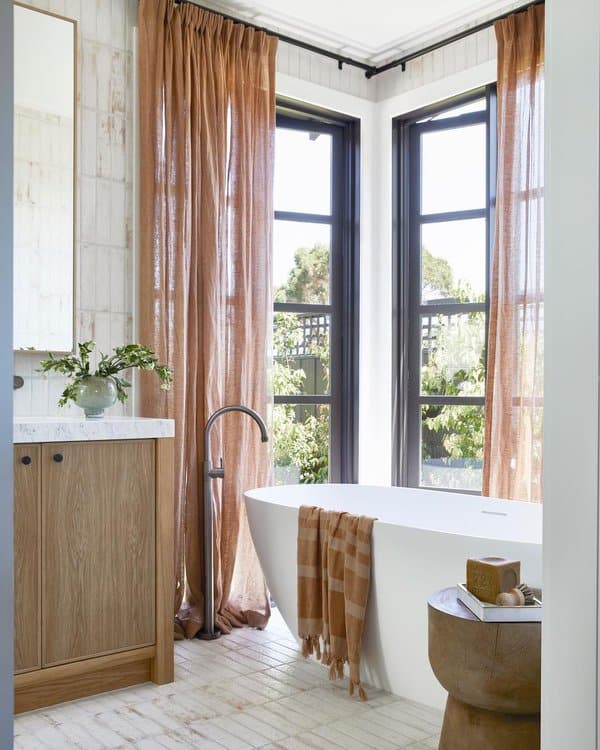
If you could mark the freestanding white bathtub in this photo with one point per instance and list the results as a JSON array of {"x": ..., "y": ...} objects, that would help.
[{"x": 420, "y": 543}]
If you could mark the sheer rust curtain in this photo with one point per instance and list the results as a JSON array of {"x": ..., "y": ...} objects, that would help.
[
  {"x": 514, "y": 410},
  {"x": 207, "y": 120}
]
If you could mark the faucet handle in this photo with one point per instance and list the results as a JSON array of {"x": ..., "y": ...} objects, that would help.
[{"x": 217, "y": 472}]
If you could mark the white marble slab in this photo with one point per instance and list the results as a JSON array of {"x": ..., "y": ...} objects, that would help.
[{"x": 73, "y": 429}]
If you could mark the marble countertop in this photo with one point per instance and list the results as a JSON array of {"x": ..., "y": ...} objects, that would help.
[{"x": 73, "y": 429}]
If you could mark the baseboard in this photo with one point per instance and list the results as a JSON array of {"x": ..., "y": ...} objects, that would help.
[{"x": 47, "y": 687}]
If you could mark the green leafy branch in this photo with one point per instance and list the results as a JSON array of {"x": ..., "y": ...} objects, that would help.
[{"x": 77, "y": 368}]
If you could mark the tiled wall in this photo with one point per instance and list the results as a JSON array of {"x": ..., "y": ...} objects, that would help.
[{"x": 105, "y": 196}]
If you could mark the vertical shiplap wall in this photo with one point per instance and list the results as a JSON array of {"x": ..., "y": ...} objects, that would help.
[
  {"x": 447, "y": 61},
  {"x": 6, "y": 464},
  {"x": 105, "y": 189},
  {"x": 307, "y": 66}
]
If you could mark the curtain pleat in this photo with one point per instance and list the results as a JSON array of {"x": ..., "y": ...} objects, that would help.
[
  {"x": 514, "y": 391},
  {"x": 207, "y": 122}
]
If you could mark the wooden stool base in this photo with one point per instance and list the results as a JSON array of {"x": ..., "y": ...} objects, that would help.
[{"x": 470, "y": 728}]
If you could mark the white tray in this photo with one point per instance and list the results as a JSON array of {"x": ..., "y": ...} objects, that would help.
[{"x": 493, "y": 613}]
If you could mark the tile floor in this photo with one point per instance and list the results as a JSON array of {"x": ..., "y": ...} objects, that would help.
[{"x": 250, "y": 689}]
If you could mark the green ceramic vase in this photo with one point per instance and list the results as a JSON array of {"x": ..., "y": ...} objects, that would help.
[{"x": 95, "y": 394}]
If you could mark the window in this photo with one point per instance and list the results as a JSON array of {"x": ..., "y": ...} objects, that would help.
[
  {"x": 315, "y": 292},
  {"x": 445, "y": 195}
]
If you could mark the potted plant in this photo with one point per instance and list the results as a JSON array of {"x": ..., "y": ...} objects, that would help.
[{"x": 95, "y": 391}]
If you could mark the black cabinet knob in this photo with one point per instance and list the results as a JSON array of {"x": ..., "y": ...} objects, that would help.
[
  {"x": 26, "y": 460},
  {"x": 58, "y": 457}
]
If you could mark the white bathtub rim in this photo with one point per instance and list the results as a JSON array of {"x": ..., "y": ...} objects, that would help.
[{"x": 259, "y": 494}]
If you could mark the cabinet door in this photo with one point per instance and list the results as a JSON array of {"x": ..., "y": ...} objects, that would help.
[
  {"x": 98, "y": 540},
  {"x": 27, "y": 557}
]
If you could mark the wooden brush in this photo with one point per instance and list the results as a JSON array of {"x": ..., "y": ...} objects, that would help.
[
  {"x": 520, "y": 596},
  {"x": 527, "y": 594}
]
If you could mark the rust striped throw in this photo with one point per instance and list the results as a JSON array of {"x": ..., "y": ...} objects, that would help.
[{"x": 334, "y": 570}]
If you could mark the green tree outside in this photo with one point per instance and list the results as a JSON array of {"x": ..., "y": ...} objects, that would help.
[
  {"x": 301, "y": 434},
  {"x": 454, "y": 365}
]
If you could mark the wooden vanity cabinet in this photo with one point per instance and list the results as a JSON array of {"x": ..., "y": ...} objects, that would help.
[
  {"x": 93, "y": 568},
  {"x": 27, "y": 551}
]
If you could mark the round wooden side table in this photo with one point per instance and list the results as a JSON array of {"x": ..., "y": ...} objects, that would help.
[{"x": 492, "y": 674}]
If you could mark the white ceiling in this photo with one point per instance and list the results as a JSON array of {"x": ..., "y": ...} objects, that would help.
[{"x": 374, "y": 31}]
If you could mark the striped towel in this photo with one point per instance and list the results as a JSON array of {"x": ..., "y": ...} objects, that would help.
[{"x": 334, "y": 567}]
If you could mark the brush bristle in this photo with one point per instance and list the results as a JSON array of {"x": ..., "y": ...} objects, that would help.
[{"x": 527, "y": 593}]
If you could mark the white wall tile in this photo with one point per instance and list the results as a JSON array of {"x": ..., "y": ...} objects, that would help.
[
  {"x": 57, "y": 6},
  {"x": 102, "y": 279},
  {"x": 87, "y": 142},
  {"x": 87, "y": 218},
  {"x": 87, "y": 91},
  {"x": 73, "y": 9},
  {"x": 103, "y": 76},
  {"x": 103, "y": 21},
  {"x": 103, "y": 211},
  {"x": 88, "y": 19}
]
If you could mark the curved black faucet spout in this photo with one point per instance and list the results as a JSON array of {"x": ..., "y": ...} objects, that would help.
[{"x": 208, "y": 632}]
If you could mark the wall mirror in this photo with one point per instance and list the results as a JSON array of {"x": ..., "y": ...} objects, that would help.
[{"x": 44, "y": 180}]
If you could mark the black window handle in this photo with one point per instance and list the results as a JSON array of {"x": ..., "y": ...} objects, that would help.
[
  {"x": 26, "y": 460},
  {"x": 58, "y": 457}
]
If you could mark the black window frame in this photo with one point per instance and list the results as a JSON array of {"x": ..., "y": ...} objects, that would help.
[
  {"x": 343, "y": 307},
  {"x": 406, "y": 281}
]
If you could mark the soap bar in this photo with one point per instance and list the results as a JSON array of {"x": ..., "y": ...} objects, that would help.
[{"x": 489, "y": 576}]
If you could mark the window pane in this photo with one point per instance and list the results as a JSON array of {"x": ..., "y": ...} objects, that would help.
[
  {"x": 301, "y": 443},
  {"x": 452, "y": 446},
  {"x": 453, "y": 354},
  {"x": 302, "y": 171},
  {"x": 477, "y": 106},
  {"x": 453, "y": 169},
  {"x": 453, "y": 261},
  {"x": 300, "y": 354},
  {"x": 301, "y": 259}
]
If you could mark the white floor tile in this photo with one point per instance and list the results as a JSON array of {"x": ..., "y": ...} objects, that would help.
[{"x": 250, "y": 689}]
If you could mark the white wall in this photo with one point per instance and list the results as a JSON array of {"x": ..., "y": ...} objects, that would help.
[
  {"x": 6, "y": 481},
  {"x": 105, "y": 221},
  {"x": 571, "y": 463}
]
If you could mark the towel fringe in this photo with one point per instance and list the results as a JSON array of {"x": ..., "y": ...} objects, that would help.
[
  {"x": 311, "y": 645},
  {"x": 317, "y": 647},
  {"x": 361, "y": 691},
  {"x": 336, "y": 668}
]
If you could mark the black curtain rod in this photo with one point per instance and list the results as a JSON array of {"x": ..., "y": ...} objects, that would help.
[
  {"x": 401, "y": 61},
  {"x": 370, "y": 70}
]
